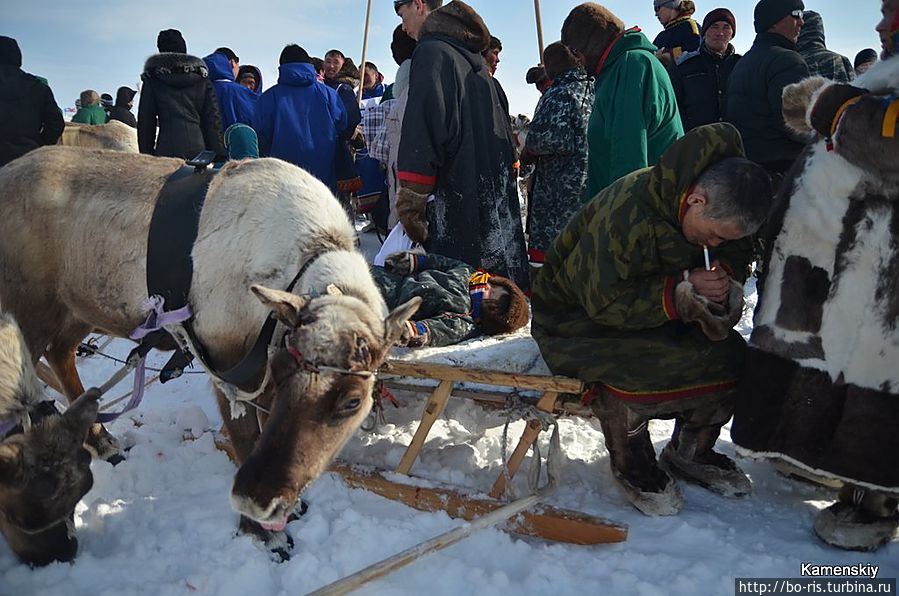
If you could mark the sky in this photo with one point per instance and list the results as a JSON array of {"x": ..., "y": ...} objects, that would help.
[{"x": 103, "y": 45}]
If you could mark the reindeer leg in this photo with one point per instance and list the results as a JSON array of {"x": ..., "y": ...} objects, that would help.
[
  {"x": 60, "y": 356},
  {"x": 243, "y": 432}
]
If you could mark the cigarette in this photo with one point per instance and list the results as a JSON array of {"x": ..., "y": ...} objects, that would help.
[{"x": 705, "y": 252}]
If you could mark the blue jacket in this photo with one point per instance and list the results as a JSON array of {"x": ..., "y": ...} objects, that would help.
[
  {"x": 236, "y": 102},
  {"x": 300, "y": 119}
]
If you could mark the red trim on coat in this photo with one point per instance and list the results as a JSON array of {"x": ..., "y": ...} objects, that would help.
[
  {"x": 536, "y": 256},
  {"x": 653, "y": 397},
  {"x": 682, "y": 206},
  {"x": 668, "y": 302},
  {"x": 416, "y": 178},
  {"x": 605, "y": 55}
]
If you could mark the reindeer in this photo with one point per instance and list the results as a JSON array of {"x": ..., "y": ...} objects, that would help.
[
  {"x": 73, "y": 253},
  {"x": 112, "y": 135},
  {"x": 44, "y": 470}
]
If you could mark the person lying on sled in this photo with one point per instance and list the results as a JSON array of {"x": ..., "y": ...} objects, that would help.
[
  {"x": 458, "y": 301},
  {"x": 627, "y": 302}
]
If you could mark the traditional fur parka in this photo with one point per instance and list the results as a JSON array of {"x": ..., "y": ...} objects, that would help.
[{"x": 822, "y": 384}]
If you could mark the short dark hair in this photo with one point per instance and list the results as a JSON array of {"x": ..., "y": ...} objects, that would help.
[
  {"x": 739, "y": 190},
  {"x": 293, "y": 53},
  {"x": 494, "y": 44},
  {"x": 372, "y": 66},
  {"x": 229, "y": 53},
  {"x": 317, "y": 63},
  {"x": 335, "y": 53}
]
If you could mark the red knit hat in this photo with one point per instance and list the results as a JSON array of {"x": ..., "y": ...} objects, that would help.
[{"x": 719, "y": 15}]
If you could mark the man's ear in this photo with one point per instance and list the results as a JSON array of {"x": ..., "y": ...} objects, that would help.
[{"x": 696, "y": 199}]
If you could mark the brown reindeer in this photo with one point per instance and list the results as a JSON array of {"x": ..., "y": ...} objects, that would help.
[
  {"x": 73, "y": 251},
  {"x": 44, "y": 470}
]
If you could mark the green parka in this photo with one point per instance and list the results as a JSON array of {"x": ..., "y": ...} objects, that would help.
[
  {"x": 603, "y": 303},
  {"x": 634, "y": 117},
  {"x": 94, "y": 114}
]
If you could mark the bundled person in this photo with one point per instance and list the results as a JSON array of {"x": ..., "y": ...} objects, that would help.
[
  {"x": 121, "y": 111},
  {"x": 237, "y": 103},
  {"x": 700, "y": 78},
  {"x": 681, "y": 33},
  {"x": 178, "y": 114},
  {"x": 459, "y": 302},
  {"x": 631, "y": 124},
  {"x": 29, "y": 115},
  {"x": 626, "y": 303},
  {"x": 864, "y": 60},
  {"x": 821, "y": 388},
  {"x": 91, "y": 110},
  {"x": 556, "y": 143},
  {"x": 250, "y": 77},
  {"x": 821, "y": 61}
]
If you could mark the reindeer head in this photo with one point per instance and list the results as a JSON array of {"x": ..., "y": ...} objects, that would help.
[
  {"x": 44, "y": 472},
  {"x": 323, "y": 382}
]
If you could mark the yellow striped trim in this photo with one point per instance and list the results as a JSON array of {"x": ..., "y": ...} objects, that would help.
[
  {"x": 889, "y": 120},
  {"x": 478, "y": 278},
  {"x": 839, "y": 114}
]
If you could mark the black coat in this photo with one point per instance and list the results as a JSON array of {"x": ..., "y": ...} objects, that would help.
[
  {"x": 29, "y": 116},
  {"x": 700, "y": 84},
  {"x": 178, "y": 97},
  {"x": 754, "y": 103},
  {"x": 123, "y": 114}
]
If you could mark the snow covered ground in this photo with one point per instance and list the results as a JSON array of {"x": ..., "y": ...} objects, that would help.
[{"x": 161, "y": 523}]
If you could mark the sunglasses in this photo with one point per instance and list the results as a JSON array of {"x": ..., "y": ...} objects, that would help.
[
  {"x": 398, "y": 3},
  {"x": 664, "y": 5},
  {"x": 796, "y": 14}
]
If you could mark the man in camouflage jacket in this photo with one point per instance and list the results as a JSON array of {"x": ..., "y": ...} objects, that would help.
[{"x": 624, "y": 302}]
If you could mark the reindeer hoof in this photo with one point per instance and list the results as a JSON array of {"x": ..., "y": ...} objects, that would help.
[{"x": 298, "y": 511}]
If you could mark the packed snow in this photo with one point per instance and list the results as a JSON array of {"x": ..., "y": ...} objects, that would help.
[{"x": 160, "y": 522}]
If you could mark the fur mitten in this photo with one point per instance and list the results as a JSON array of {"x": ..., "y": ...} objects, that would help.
[
  {"x": 411, "y": 209},
  {"x": 403, "y": 263},
  {"x": 796, "y": 100},
  {"x": 414, "y": 335},
  {"x": 716, "y": 320}
]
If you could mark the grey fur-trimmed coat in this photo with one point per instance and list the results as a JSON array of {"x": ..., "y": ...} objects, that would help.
[{"x": 822, "y": 385}]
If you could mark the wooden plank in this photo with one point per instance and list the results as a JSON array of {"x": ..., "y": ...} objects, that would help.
[
  {"x": 530, "y": 434},
  {"x": 444, "y": 372},
  {"x": 549, "y": 523},
  {"x": 494, "y": 399},
  {"x": 46, "y": 374},
  {"x": 433, "y": 409}
]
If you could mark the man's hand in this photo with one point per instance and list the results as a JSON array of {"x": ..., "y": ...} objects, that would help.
[
  {"x": 401, "y": 263},
  {"x": 713, "y": 284}
]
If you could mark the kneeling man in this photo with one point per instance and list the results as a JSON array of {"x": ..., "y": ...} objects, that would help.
[{"x": 626, "y": 302}]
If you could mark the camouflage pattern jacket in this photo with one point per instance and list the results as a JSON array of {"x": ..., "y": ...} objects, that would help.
[
  {"x": 603, "y": 306},
  {"x": 444, "y": 317},
  {"x": 557, "y": 138},
  {"x": 820, "y": 60}
]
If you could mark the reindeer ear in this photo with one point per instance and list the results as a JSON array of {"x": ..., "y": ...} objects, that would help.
[
  {"x": 83, "y": 412},
  {"x": 11, "y": 463},
  {"x": 285, "y": 305},
  {"x": 396, "y": 320}
]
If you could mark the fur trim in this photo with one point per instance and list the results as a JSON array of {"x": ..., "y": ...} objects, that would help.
[
  {"x": 170, "y": 63},
  {"x": 798, "y": 100},
  {"x": 590, "y": 28},
  {"x": 459, "y": 21}
]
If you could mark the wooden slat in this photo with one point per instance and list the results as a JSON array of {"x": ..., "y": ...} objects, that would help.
[
  {"x": 530, "y": 434},
  {"x": 444, "y": 372},
  {"x": 549, "y": 523},
  {"x": 46, "y": 374},
  {"x": 433, "y": 409}
]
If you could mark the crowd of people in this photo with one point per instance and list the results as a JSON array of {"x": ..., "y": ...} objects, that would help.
[{"x": 652, "y": 166}]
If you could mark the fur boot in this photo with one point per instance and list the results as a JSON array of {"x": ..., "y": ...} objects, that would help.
[
  {"x": 862, "y": 520},
  {"x": 709, "y": 469}
]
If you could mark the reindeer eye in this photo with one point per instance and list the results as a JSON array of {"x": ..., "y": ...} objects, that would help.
[{"x": 348, "y": 406}]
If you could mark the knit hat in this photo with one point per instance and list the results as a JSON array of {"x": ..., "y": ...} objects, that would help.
[
  {"x": 557, "y": 58},
  {"x": 10, "y": 54},
  {"x": 89, "y": 98},
  {"x": 506, "y": 314},
  {"x": 769, "y": 12},
  {"x": 402, "y": 45},
  {"x": 657, "y": 4},
  {"x": 865, "y": 56},
  {"x": 589, "y": 29},
  {"x": 719, "y": 15},
  {"x": 293, "y": 53},
  {"x": 170, "y": 40},
  {"x": 106, "y": 100}
]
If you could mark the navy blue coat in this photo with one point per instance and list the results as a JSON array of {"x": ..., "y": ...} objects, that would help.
[{"x": 299, "y": 120}]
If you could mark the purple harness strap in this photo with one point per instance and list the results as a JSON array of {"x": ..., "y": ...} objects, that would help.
[{"x": 6, "y": 426}]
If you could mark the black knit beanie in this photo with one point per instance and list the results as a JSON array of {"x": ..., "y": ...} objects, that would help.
[
  {"x": 170, "y": 40},
  {"x": 719, "y": 15},
  {"x": 769, "y": 12},
  {"x": 10, "y": 54},
  {"x": 402, "y": 45},
  {"x": 293, "y": 53}
]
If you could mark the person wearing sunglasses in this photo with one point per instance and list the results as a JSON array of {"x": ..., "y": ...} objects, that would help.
[
  {"x": 681, "y": 32},
  {"x": 754, "y": 102}
]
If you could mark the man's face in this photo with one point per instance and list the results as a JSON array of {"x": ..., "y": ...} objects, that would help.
[
  {"x": 717, "y": 36},
  {"x": 703, "y": 231},
  {"x": 333, "y": 64},
  {"x": 369, "y": 78},
  {"x": 413, "y": 15},
  {"x": 235, "y": 67},
  {"x": 249, "y": 83},
  {"x": 492, "y": 59},
  {"x": 887, "y": 25},
  {"x": 665, "y": 14},
  {"x": 789, "y": 26}
]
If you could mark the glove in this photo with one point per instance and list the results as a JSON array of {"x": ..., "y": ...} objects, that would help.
[
  {"x": 715, "y": 320},
  {"x": 414, "y": 335},
  {"x": 828, "y": 105},
  {"x": 411, "y": 210},
  {"x": 401, "y": 263}
]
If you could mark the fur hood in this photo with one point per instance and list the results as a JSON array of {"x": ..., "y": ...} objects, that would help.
[
  {"x": 348, "y": 75},
  {"x": 174, "y": 68},
  {"x": 458, "y": 21}
]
